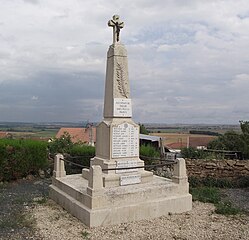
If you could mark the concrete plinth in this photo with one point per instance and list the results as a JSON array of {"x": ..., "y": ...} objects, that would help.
[{"x": 120, "y": 204}]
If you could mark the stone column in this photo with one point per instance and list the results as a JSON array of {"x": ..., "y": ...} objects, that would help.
[{"x": 59, "y": 166}]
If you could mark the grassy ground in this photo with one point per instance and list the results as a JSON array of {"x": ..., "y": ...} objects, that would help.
[{"x": 218, "y": 197}]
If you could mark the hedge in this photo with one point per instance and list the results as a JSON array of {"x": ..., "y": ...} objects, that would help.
[
  {"x": 18, "y": 158},
  {"x": 83, "y": 154}
]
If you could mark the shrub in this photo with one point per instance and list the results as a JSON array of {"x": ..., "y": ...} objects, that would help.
[
  {"x": 234, "y": 141},
  {"x": 195, "y": 153},
  {"x": 82, "y": 154},
  {"x": 18, "y": 158},
  {"x": 242, "y": 182},
  {"x": 226, "y": 208},
  {"x": 239, "y": 182},
  {"x": 74, "y": 152},
  {"x": 205, "y": 194},
  {"x": 61, "y": 145},
  {"x": 212, "y": 195},
  {"x": 148, "y": 152}
]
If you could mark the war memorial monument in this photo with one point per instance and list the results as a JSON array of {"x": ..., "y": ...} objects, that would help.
[{"x": 117, "y": 188}]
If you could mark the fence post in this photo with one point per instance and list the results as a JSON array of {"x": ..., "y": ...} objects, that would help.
[
  {"x": 95, "y": 181},
  {"x": 180, "y": 172},
  {"x": 59, "y": 166}
]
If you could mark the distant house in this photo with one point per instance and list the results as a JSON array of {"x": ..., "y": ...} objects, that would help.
[
  {"x": 151, "y": 140},
  {"x": 176, "y": 145},
  {"x": 84, "y": 135},
  {"x": 200, "y": 142},
  {"x": 5, "y": 135},
  {"x": 195, "y": 142}
]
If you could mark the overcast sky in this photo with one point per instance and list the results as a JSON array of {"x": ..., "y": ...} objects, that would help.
[{"x": 188, "y": 59}]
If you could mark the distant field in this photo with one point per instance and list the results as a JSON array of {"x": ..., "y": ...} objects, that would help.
[
  {"x": 169, "y": 138},
  {"x": 31, "y": 133},
  {"x": 169, "y": 130}
]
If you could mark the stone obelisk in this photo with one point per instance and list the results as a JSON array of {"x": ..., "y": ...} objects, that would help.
[
  {"x": 117, "y": 143},
  {"x": 116, "y": 189}
]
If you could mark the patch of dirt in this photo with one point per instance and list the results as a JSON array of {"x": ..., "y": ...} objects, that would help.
[{"x": 16, "y": 200}]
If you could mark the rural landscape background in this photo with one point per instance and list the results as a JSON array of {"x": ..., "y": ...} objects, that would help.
[{"x": 171, "y": 132}]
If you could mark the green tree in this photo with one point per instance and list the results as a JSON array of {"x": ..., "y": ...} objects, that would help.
[
  {"x": 61, "y": 145},
  {"x": 143, "y": 129},
  {"x": 194, "y": 153},
  {"x": 233, "y": 141},
  {"x": 244, "y": 125}
]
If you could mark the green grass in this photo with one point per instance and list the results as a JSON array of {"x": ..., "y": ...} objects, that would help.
[
  {"x": 40, "y": 200},
  {"x": 213, "y": 195},
  {"x": 206, "y": 194},
  {"x": 21, "y": 200},
  {"x": 17, "y": 220},
  {"x": 28, "y": 131},
  {"x": 85, "y": 234},
  {"x": 226, "y": 208},
  {"x": 239, "y": 182}
]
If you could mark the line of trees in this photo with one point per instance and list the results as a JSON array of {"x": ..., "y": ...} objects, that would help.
[{"x": 233, "y": 141}]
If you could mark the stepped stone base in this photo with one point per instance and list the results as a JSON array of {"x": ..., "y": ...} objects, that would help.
[{"x": 121, "y": 204}]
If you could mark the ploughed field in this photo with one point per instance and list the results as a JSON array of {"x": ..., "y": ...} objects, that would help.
[{"x": 183, "y": 138}]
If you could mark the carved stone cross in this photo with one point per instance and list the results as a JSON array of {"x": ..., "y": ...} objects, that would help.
[{"x": 117, "y": 25}]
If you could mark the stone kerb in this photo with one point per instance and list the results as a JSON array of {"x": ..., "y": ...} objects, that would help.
[{"x": 59, "y": 166}]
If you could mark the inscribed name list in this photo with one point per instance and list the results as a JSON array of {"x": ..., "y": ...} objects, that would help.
[
  {"x": 122, "y": 107},
  {"x": 125, "y": 141},
  {"x": 126, "y": 164}
]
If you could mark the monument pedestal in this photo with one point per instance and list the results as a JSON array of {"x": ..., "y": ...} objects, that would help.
[
  {"x": 96, "y": 205},
  {"x": 118, "y": 147}
]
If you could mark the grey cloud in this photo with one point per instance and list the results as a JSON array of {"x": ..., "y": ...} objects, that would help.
[{"x": 58, "y": 94}]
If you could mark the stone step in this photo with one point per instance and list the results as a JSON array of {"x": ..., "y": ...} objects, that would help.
[
  {"x": 121, "y": 213},
  {"x": 76, "y": 187}
]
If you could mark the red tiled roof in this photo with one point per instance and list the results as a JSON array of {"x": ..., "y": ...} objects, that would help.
[
  {"x": 177, "y": 145},
  {"x": 193, "y": 142},
  {"x": 3, "y": 134},
  {"x": 79, "y": 134},
  {"x": 200, "y": 141}
]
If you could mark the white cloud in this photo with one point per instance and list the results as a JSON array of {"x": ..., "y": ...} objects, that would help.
[
  {"x": 167, "y": 47},
  {"x": 34, "y": 98},
  {"x": 241, "y": 81},
  {"x": 188, "y": 60}
]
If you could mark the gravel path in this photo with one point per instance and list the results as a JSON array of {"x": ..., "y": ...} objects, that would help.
[
  {"x": 201, "y": 223},
  {"x": 239, "y": 197},
  {"x": 24, "y": 216},
  {"x": 16, "y": 200}
]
